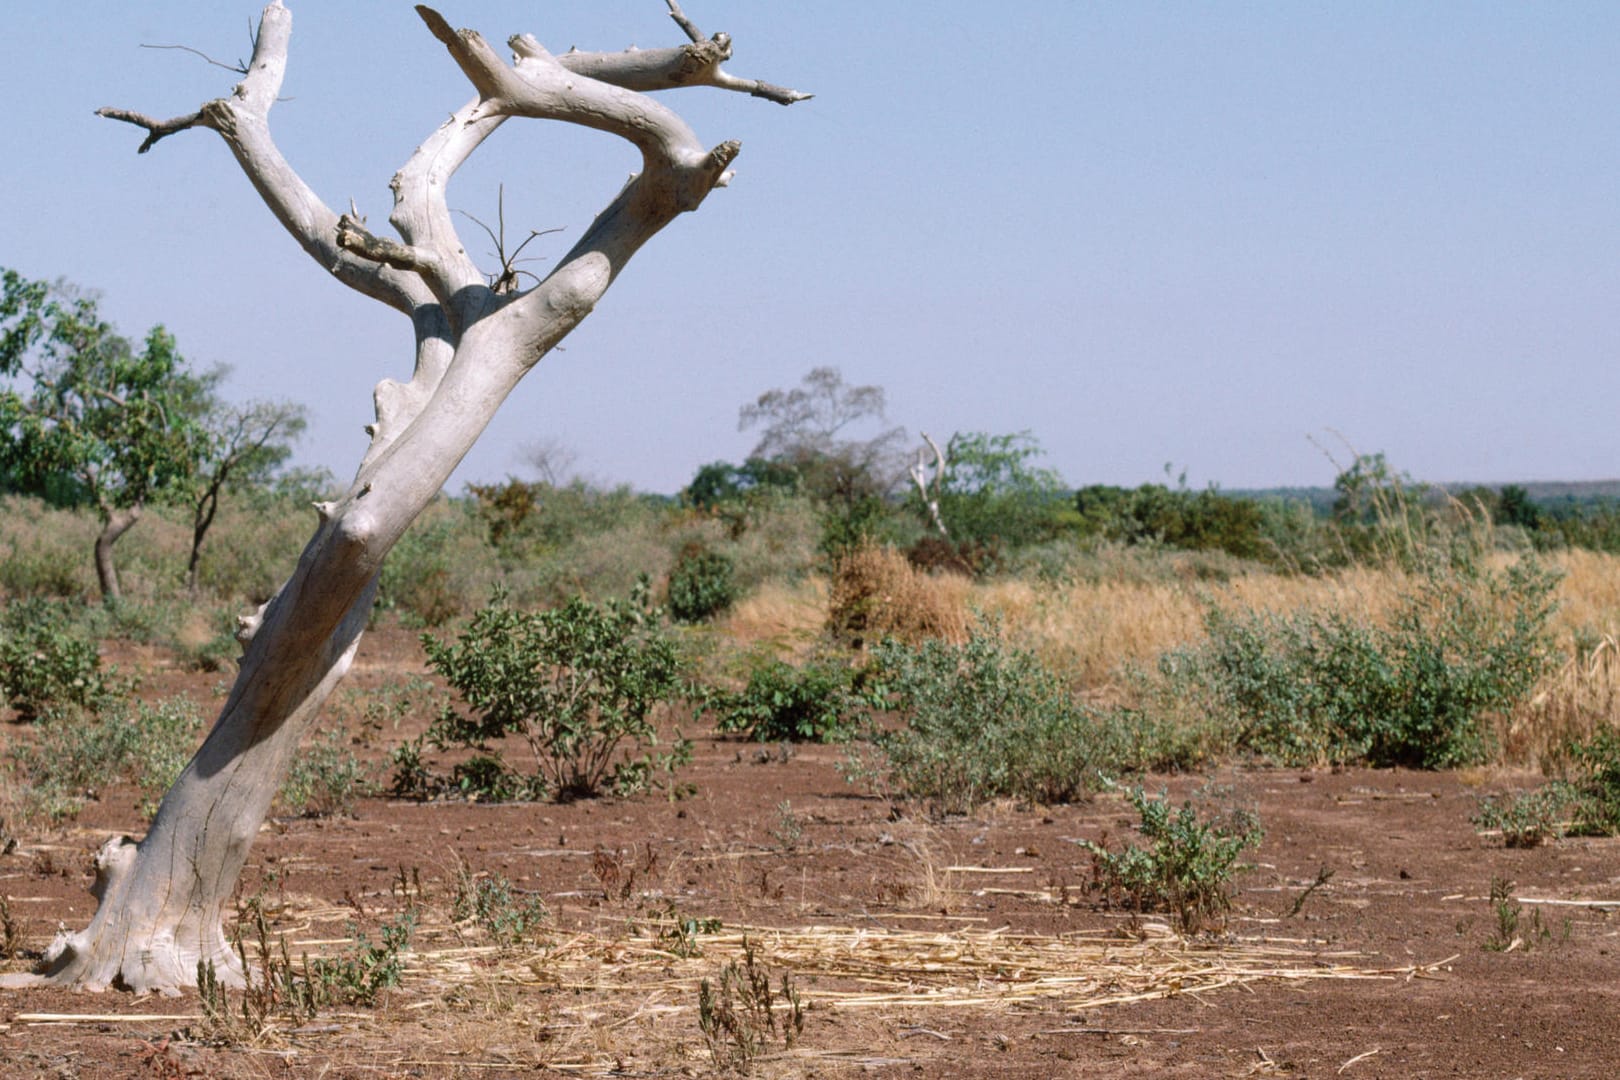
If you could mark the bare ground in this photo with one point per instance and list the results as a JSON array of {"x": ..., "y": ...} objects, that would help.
[{"x": 966, "y": 947}]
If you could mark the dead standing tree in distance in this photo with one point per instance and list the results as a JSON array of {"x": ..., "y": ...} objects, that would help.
[{"x": 161, "y": 900}]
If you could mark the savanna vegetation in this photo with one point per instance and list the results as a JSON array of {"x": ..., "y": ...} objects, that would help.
[
  {"x": 986, "y": 634},
  {"x": 1017, "y": 637}
]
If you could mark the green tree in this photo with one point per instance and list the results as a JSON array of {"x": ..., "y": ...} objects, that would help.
[
  {"x": 994, "y": 493},
  {"x": 1515, "y": 507},
  {"x": 86, "y": 418}
]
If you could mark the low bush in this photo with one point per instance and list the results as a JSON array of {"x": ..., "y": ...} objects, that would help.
[
  {"x": 981, "y": 720},
  {"x": 47, "y": 663},
  {"x": 1318, "y": 686},
  {"x": 702, "y": 585},
  {"x": 1185, "y": 868},
  {"x": 820, "y": 701},
  {"x": 577, "y": 684}
]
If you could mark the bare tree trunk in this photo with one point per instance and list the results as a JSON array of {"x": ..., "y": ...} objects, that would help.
[
  {"x": 115, "y": 523},
  {"x": 930, "y": 489},
  {"x": 202, "y": 519},
  {"x": 162, "y": 900}
]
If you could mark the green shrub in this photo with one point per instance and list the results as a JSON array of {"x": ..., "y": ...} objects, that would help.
[
  {"x": 701, "y": 586},
  {"x": 1597, "y": 783},
  {"x": 76, "y": 754},
  {"x": 1176, "y": 517},
  {"x": 1527, "y": 818},
  {"x": 1318, "y": 686},
  {"x": 982, "y": 720},
  {"x": 818, "y": 702},
  {"x": 578, "y": 684},
  {"x": 489, "y": 904},
  {"x": 1586, "y": 803},
  {"x": 46, "y": 663},
  {"x": 1185, "y": 868},
  {"x": 325, "y": 778}
]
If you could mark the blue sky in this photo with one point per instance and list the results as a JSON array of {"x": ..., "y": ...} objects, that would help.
[{"x": 1148, "y": 233}]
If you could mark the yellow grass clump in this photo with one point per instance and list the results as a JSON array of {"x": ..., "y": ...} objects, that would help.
[
  {"x": 876, "y": 593},
  {"x": 786, "y": 617}
]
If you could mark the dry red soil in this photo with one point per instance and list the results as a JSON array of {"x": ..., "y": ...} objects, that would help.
[{"x": 965, "y": 947}]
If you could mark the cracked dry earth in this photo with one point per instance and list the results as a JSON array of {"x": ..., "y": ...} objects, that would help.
[{"x": 966, "y": 947}]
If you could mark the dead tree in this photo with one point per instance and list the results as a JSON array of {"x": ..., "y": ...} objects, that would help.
[
  {"x": 161, "y": 900},
  {"x": 929, "y": 488}
]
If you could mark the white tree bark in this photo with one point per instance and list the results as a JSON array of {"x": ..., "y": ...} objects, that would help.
[
  {"x": 929, "y": 487},
  {"x": 162, "y": 900}
]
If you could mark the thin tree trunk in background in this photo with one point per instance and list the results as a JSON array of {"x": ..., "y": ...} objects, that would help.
[{"x": 115, "y": 523}]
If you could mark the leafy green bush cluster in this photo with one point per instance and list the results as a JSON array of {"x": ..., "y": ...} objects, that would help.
[
  {"x": 1313, "y": 687},
  {"x": 702, "y": 585},
  {"x": 982, "y": 720},
  {"x": 1185, "y": 868},
  {"x": 577, "y": 684},
  {"x": 822, "y": 700},
  {"x": 46, "y": 663},
  {"x": 1175, "y": 517}
]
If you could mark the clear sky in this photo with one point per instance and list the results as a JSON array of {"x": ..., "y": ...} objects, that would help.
[{"x": 1148, "y": 233}]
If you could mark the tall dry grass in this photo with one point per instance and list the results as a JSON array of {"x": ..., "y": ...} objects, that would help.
[
  {"x": 1092, "y": 631},
  {"x": 876, "y": 593}
]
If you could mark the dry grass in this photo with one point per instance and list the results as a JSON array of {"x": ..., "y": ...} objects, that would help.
[
  {"x": 786, "y": 618},
  {"x": 605, "y": 1001},
  {"x": 1580, "y": 698},
  {"x": 876, "y": 593},
  {"x": 1091, "y": 631}
]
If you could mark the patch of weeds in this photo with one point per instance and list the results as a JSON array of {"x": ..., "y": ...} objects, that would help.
[
  {"x": 491, "y": 904},
  {"x": 788, "y": 830},
  {"x": 616, "y": 871},
  {"x": 373, "y": 713},
  {"x": 1186, "y": 868},
  {"x": 277, "y": 986},
  {"x": 325, "y": 778},
  {"x": 75, "y": 754},
  {"x": 1511, "y": 930},
  {"x": 678, "y": 933},
  {"x": 578, "y": 684},
  {"x": 360, "y": 977},
  {"x": 1526, "y": 818},
  {"x": 738, "y": 1012}
]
